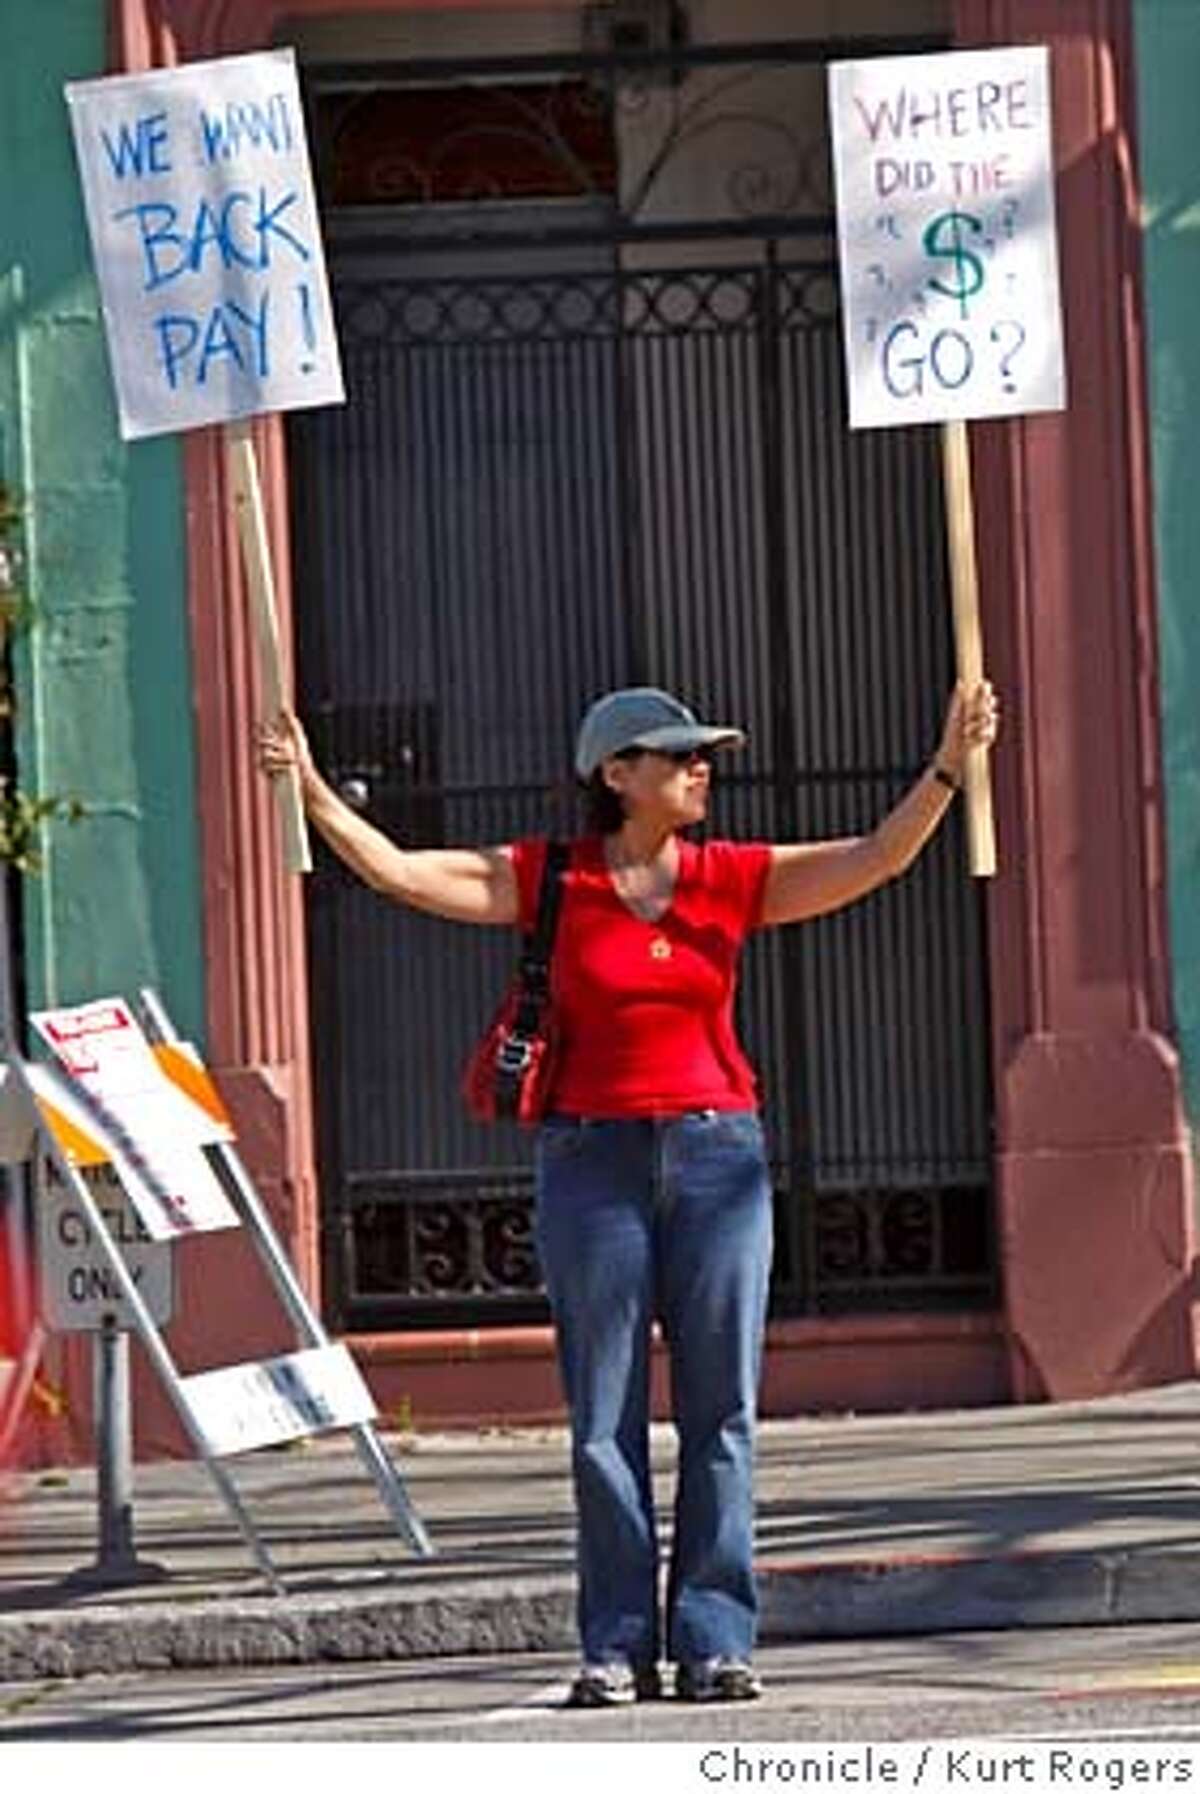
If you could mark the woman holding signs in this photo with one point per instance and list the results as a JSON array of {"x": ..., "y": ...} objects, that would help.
[{"x": 652, "y": 1190}]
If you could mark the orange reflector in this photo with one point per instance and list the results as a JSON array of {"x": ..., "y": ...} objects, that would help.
[
  {"x": 79, "y": 1147},
  {"x": 178, "y": 1065}
]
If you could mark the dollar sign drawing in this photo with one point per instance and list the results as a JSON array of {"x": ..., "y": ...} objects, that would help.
[{"x": 943, "y": 237}]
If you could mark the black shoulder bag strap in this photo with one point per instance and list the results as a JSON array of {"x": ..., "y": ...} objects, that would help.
[{"x": 533, "y": 981}]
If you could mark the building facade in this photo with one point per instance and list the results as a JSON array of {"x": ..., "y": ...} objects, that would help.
[{"x": 583, "y": 266}]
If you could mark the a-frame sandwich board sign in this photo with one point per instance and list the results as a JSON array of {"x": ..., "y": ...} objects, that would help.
[{"x": 238, "y": 1408}]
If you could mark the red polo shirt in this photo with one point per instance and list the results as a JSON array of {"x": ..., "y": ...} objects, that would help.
[{"x": 646, "y": 1008}]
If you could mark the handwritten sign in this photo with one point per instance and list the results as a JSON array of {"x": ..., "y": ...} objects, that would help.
[
  {"x": 946, "y": 237},
  {"x": 205, "y": 234}
]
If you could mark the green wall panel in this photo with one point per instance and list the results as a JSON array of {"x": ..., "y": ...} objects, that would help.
[
  {"x": 1168, "y": 52},
  {"x": 104, "y": 678}
]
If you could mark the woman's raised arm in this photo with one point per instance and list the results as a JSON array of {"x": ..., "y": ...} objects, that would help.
[
  {"x": 811, "y": 878},
  {"x": 464, "y": 884}
]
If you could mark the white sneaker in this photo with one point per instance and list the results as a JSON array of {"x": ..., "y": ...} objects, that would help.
[{"x": 614, "y": 1685}]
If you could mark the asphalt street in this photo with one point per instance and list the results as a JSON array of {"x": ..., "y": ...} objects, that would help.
[{"x": 1139, "y": 1683}]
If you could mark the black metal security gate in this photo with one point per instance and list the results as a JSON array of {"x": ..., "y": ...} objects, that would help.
[{"x": 582, "y": 451}]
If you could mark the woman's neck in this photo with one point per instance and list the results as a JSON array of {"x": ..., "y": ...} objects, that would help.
[{"x": 639, "y": 843}]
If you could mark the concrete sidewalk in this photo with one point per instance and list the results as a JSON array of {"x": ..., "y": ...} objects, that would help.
[{"x": 1072, "y": 1514}]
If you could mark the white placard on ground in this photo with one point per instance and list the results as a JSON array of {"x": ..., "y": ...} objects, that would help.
[
  {"x": 946, "y": 235},
  {"x": 206, "y": 241},
  {"x": 246, "y": 1406},
  {"x": 150, "y": 1129},
  {"x": 77, "y": 1286}
]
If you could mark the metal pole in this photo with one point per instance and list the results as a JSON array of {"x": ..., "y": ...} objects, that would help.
[
  {"x": 291, "y": 1292},
  {"x": 117, "y": 1563},
  {"x": 114, "y": 1444}
]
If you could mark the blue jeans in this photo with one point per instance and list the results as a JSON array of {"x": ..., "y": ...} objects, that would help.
[{"x": 669, "y": 1218}]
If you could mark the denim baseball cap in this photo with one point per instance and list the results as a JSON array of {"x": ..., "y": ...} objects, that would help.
[{"x": 642, "y": 716}]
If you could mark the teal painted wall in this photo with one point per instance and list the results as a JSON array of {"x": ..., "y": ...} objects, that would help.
[
  {"x": 103, "y": 676},
  {"x": 1168, "y": 54}
]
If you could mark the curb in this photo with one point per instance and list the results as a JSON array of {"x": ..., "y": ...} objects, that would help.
[
  {"x": 864, "y": 1598},
  {"x": 288, "y": 1629},
  {"x": 1120, "y": 1586}
]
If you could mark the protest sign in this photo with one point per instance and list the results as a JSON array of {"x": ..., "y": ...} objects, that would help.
[
  {"x": 204, "y": 229},
  {"x": 944, "y": 176},
  {"x": 945, "y": 202},
  {"x": 205, "y": 234}
]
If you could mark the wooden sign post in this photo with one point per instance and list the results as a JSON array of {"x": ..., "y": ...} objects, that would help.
[
  {"x": 260, "y": 582},
  {"x": 950, "y": 299},
  {"x": 207, "y": 244},
  {"x": 968, "y": 636}
]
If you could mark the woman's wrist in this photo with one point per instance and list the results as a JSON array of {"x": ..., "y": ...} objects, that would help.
[
  {"x": 313, "y": 788},
  {"x": 944, "y": 774}
]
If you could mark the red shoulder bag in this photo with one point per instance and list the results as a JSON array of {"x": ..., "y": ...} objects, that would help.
[{"x": 509, "y": 1073}]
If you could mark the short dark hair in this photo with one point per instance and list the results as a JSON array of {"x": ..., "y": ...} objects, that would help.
[{"x": 604, "y": 812}]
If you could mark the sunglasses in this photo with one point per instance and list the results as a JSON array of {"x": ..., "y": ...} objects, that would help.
[{"x": 697, "y": 756}]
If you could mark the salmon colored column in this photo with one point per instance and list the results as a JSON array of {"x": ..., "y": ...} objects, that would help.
[
  {"x": 256, "y": 978},
  {"x": 1093, "y": 1165}
]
